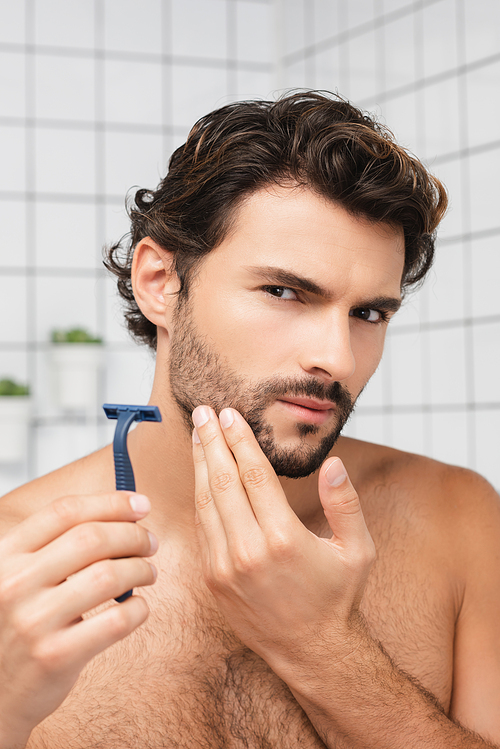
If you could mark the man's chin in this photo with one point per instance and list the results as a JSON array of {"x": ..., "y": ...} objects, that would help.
[{"x": 297, "y": 462}]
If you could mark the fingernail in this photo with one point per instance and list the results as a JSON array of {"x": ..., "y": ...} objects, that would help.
[
  {"x": 140, "y": 504},
  {"x": 226, "y": 418},
  {"x": 154, "y": 542},
  {"x": 200, "y": 416},
  {"x": 154, "y": 570},
  {"x": 196, "y": 437},
  {"x": 336, "y": 473}
]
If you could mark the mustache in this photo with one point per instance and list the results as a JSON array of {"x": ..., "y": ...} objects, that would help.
[{"x": 307, "y": 388}]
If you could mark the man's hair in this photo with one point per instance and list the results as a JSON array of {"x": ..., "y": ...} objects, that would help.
[{"x": 313, "y": 139}]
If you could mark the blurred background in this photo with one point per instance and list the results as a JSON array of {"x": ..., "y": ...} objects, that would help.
[{"x": 94, "y": 97}]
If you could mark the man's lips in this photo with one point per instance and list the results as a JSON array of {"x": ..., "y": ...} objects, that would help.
[
  {"x": 308, "y": 409},
  {"x": 310, "y": 403}
]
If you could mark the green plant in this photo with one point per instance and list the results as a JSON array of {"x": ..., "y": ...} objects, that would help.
[
  {"x": 9, "y": 387},
  {"x": 74, "y": 335}
]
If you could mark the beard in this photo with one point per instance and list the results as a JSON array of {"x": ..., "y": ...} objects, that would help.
[{"x": 199, "y": 376}]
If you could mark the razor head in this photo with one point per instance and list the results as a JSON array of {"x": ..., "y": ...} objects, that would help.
[{"x": 140, "y": 413}]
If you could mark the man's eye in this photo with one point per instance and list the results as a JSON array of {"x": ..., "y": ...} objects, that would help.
[
  {"x": 370, "y": 315},
  {"x": 282, "y": 292}
]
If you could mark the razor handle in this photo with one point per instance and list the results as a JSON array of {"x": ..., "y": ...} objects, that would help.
[{"x": 124, "y": 473}]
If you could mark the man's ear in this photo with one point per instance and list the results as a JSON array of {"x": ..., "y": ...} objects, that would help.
[{"x": 154, "y": 281}]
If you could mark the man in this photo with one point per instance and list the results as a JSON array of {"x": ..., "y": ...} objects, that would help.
[{"x": 312, "y": 590}]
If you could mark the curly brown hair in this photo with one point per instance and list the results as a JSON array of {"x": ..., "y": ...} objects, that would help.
[{"x": 315, "y": 139}]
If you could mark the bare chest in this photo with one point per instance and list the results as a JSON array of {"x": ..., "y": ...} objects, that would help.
[{"x": 183, "y": 679}]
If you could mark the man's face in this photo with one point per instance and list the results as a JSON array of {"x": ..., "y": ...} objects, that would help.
[{"x": 290, "y": 307}]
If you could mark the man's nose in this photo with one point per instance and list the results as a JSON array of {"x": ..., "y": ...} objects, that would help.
[{"x": 327, "y": 352}]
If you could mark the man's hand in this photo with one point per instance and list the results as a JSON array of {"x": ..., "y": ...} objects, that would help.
[
  {"x": 73, "y": 555},
  {"x": 293, "y": 598},
  {"x": 279, "y": 586}
]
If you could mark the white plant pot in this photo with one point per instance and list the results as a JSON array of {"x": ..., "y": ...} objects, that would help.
[
  {"x": 15, "y": 414},
  {"x": 76, "y": 369}
]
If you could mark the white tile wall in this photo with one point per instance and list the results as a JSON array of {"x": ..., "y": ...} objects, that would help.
[
  {"x": 132, "y": 159},
  {"x": 254, "y": 31},
  {"x": 64, "y": 23},
  {"x": 13, "y": 298},
  {"x": 199, "y": 29},
  {"x": 64, "y": 161},
  {"x": 409, "y": 314},
  {"x": 487, "y": 436},
  {"x": 390, "y": 6},
  {"x": 292, "y": 21},
  {"x": 326, "y": 20},
  {"x": 485, "y": 274},
  {"x": 133, "y": 92},
  {"x": 483, "y": 110},
  {"x": 12, "y": 23},
  {"x": 360, "y": 12},
  {"x": 373, "y": 394},
  {"x": 12, "y": 233},
  {"x": 164, "y": 63},
  {"x": 252, "y": 84},
  {"x": 368, "y": 428},
  {"x": 448, "y": 444},
  {"x": 409, "y": 433},
  {"x": 362, "y": 66},
  {"x": 399, "y": 53},
  {"x": 12, "y": 158},
  {"x": 130, "y": 26},
  {"x": 61, "y": 444},
  {"x": 486, "y": 362},
  {"x": 12, "y": 76},
  {"x": 484, "y": 191},
  {"x": 115, "y": 327},
  {"x": 196, "y": 91},
  {"x": 328, "y": 69},
  {"x": 65, "y": 303},
  {"x": 66, "y": 235},
  {"x": 406, "y": 369},
  {"x": 295, "y": 75},
  {"x": 400, "y": 116},
  {"x": 450, "y": 173},
  {"x": 446, "y": 285},
  {"x": 447, "y": 366},
  {"x": 440, "y": 37},
  {"x": 116, "y": 224},
  {"x": 482, "y": 21},
  {"x": 129, "y": 375},
  {"x": 64, "y": 88},
  {"x": 442, "y": 125}
]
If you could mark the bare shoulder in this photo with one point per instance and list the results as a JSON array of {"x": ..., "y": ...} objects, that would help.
[
  {"x": 456, "y": 502},
  {"x": 88, "y": 475},
  {"x": 372, "y": 464}
]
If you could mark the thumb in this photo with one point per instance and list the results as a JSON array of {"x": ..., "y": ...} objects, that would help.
[{"x": 341, "y": 504}]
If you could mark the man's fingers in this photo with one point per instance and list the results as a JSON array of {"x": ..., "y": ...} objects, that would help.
[
  {"x": 220, "y": 484},
  {"x": 342, "y": 508},
  {"x": 87, "y": 543},
  {"x": 59, "y": 516},
  {"x": 257, "y": 475},
  {"x": 208, "y": 517},
  {"x": 92, "y": 586},
  {"x": 70, "y": 649}
]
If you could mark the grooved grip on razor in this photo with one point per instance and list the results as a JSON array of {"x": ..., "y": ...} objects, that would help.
[{"x": 124, "y": 474}]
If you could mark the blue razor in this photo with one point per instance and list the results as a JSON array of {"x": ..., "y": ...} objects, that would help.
[{"x": 124, "y": 474}]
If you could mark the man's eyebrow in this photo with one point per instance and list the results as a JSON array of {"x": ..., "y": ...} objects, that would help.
[
  {"x": 283, "y": 277},
  {"x": 386, "y": 303}
]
